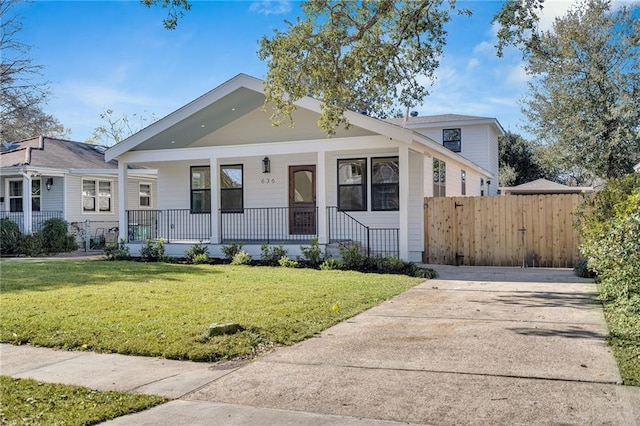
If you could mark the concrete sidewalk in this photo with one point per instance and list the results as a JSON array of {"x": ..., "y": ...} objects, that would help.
[{"x": 476, "y": 346}]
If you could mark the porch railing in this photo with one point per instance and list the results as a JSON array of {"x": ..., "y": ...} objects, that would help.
[
  {"x": 172, "y": 225},
  {"x": 37, "y": 218},
  {"x": 374, "y": 242},
  {"x": 272, "y": 225}
]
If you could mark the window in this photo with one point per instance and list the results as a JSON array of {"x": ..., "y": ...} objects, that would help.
[
  {"x": 231, "y": 196},
  {"x": 452, "y": 139},
  {"x": 463, "y": 180},
  {"x": 439, "y": 178},
  {"x": 15, "y": 195},
  {"x": 385, "y": 190},
  {"x": 352, "y": 184},
  {"x": 96, "y": 196},
  {"x": 481, "y": 186},
  {"x": 145, "y": 195},
  {"x": 200, "y": 189}
]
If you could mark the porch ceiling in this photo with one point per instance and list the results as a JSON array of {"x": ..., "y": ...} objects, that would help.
[{"x": 205, "y": 121}]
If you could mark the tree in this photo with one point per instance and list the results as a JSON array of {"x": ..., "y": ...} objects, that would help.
[
  {"x": 518, "y": 160},
  {"x": 370, "y": 56},
  {"x": 176, "y": 9},
  {"x": 584, "y": 99},
  {"x": 22, "y": 92},
  {"x": 117, "y": 128}
]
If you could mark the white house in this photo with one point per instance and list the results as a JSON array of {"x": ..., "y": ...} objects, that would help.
[
  {"x": 226, "y": 174},
  {"x": 43, "y": 178}
]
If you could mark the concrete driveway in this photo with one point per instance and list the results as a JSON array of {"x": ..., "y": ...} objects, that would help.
[{"x": 476, "y": 346}]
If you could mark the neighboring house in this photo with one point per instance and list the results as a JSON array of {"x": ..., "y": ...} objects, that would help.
[
  {"x": 226, "y": 174},
  {"x": 43, "y": 178},
  {"x": 475, "y": 138},
  {"x": 544, "y": 186}
]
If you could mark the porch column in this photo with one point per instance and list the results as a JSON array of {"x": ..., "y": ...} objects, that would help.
[
  {"x": 123, "y": 177},
  {"x": 403, "y": 160},
  {"x": 215, "y": 201},
  {"x": 321, "y": 198},
  {"x": 27, "y": 208}
]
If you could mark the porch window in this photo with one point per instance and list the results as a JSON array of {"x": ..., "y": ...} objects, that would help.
[
  {"x": 145, "y": 195},
  {"x": 352, "y": 184},
  {"x": 200, "y": 189},
  {"x": 96, "y": 196},
  {"x": 385, "y": 187},
  {"x": 231, "y": 190},
  {"x": 452, "y": 139},
  {"x": 439, "y": 178},
  {"x": 15, "y": 195}
]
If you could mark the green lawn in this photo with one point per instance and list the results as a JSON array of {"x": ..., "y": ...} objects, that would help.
[
  {"x": 624, "y": 339},
  {"x": 160, "y": 309},
  {"x": 28, "y": 402}
]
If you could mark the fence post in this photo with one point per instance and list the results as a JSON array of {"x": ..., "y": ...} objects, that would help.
[{"x": 368, "y": 242}]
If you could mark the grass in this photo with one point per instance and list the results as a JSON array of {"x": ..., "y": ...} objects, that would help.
[
  {"x": 624, "y": 339},
  {"x": 29, "y": 402},
  {"x": 159, "y": 309}
]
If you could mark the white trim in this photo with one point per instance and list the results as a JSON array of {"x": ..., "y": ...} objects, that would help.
[
  {"x": 403, "y": 171},
  {"x": 122, "y": 200},
  {"x": 150, "y": 206}
]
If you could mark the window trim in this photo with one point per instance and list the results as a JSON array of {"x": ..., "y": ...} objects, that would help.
[
  {"x": 191, "y": 190},
  {"x": 372, "y": 185},
  {"x": 150, "y": 205},
  {"x": 463, "y": 182},
  {"x": 241, "y": 189},
  {"x": 440, "y": 184},
  {"x": 363, "y": 184},
  {"x": 445, "y": 138},
  {"x": 97, "y": 197}
]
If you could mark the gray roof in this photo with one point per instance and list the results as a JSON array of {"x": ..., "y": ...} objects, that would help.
[
  {"x": 429, "y": 119},
  {"x": 544, "y": 186},
  {"x": 55, "y": 153}
]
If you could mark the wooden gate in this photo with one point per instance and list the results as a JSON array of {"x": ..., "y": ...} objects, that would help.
[{"x": 515, "y": 230}]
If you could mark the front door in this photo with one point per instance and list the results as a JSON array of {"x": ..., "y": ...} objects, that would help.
[{"x": 302, "y": 200}]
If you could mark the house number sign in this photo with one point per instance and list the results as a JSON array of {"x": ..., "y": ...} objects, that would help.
[{"x": 267, "y": 180}]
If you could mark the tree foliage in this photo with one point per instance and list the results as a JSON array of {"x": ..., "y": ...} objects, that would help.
[
  {"x": 175, "y": 10},
  {"x": 22, "y": 90},
  {"x": 584, "y": 99},
  {"x": 115, "y": 128},
  {"x": 518, "y": 160}
]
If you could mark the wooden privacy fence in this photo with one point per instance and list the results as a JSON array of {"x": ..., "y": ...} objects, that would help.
[{"x": 514, "y": 230}]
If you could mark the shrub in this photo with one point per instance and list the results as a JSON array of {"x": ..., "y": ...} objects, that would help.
[
  {"x": 270, "y": 256},
  {"x": 197, "y": 251},
  {"x": 55, "y": 236},
  {"x": 117, "y": 251},
  {"x": 32, "y": 245},
  {"x": 391, "y": 265},
  {"x": 241, "y": 258},
  {"x": 422, "y": 272},
  {"x": 10, "y": 237},
  {"x": 354, "y": 260},
  {"x": 610, "y": 225},
  {"x": 582, "y": 270},
  {"x": 231, "y": 250},
  {"x": 331, "y": 264},
  {"x": 285, "y": 262},
  {"x": 312, "y": 255},
  {"x": 153, "y": 251}
]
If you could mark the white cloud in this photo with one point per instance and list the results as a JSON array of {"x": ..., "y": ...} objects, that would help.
[
  {"x": 472, "y": 64},
  {"x": 484, "y": 47},
  {"x": 554, "y": 9},
  {"x": 517, "y": 74},
  {"x": 96, "y": 95},
  {"x": 271, "y": 7}
]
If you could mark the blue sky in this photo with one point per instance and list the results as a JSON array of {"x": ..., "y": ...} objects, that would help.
[{"x": 116, "y": 54}]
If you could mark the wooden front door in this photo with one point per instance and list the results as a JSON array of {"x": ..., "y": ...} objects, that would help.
[{"x": 302, "y": 200}]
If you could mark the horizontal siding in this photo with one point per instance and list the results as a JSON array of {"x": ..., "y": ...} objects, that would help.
[{"x": 416, "y": 215}]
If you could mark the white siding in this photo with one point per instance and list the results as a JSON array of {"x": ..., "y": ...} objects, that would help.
[{"x": 416, "y": 209}]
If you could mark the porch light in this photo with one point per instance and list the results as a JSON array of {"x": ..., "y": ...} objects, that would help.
[
  {"x": 266, "y": 165},
  {"x": 49, "y": 184}
]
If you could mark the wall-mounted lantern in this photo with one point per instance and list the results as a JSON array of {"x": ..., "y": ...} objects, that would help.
[
  {"x": 266, "y": 165},
  {"x": 49, "y": 184}
]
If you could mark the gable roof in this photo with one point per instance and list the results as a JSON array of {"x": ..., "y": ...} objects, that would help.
[
  {"x": 55, "y": 153},
  {"x": 544, "y": 186},
  {"x": 445, "y": 120}
]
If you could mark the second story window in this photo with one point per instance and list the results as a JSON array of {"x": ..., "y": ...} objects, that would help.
[{"x": 452, "y": 139}]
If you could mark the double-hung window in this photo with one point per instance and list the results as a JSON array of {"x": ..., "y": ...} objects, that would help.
[
  {"x": 452, "y": 139},
  {"x": 96, "y": 196},
  {"x": 439, "y": 178},
  {"x": 352, "y": 184},
  {"x": 385, "y": 189},
  {"x": 145, "y": 195},
  {"x": 200, "y": 189},
  {"x": 231, "y": 189},
  {"x": 16, "y": 203}
]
